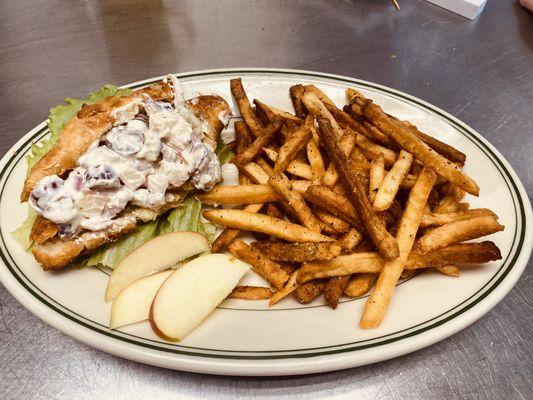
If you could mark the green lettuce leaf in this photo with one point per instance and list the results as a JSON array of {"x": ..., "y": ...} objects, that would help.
[
  {"x": 224, "y": 152},
  {"x": 58, "y": 117},
  {"x": 112, "y": 254},
  {"x": 187, "y": 217}
]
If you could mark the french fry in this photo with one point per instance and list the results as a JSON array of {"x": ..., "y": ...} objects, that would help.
[
  {"x": 345, "y": 120},
  {"x": 338, "y": 225},
  {"x": 261, "y": 141},
  {"x": 379, "y": 299},
  {"x": 360, "y": 163},
  {"x": 308, "y": 292},
  {"x": 359, "y": 285},
  {"x": 449, "y": 270},
  {"x": 251, "y": 293},
  {"x": 319, "y": 93},
  {"x": 391, "y": 183},
  {"x": 445, "y": 150},
  {"x": 301, "y": 186},
  {"x": 372, "y": 262},
  {"x": 458, "y": 231},
  {"x": 239, "y": 194},
  {"x": 376, "y": 175},
  {"x": 334, "y": 289},
  {"x": 450, "y": 202},
  {"x": 464, "y": 206},
  {"x": 290, "y": 286},
  {"x": 271, "y": 112},
  {"x": 237, "y": 90},
  {"x": 291, "y": 147},
  {"x": 350, "y": 240},
  {"x": 299, "y": 252},
  {"x": 273, "y": 210},
  {"x": 431, "y": 219},
  {"x": 317, "y": 109},
  {"x": 408, "y": 273},
  {"x": 373, "y": 150},
  {"x": 238, "y": 219},
  {"x": 346, "y": 145},
  {"x": 335, "y": 203},
  {"x": 356, "y": 192},
  {"x": 265, "y": 165},
  {"x": 261, "y": 264},
  {"x": 296, "y": 93},
  {"x": 314, "y": 156},
  {"x": 411, "y": 143},
  {"x": 294, "y": 202},
  {"x": 256, "y": 173},
  {"x": 296, "y": 168},
  {"x": 229, "y": 235},
  {"x": 243, "y": 137}
]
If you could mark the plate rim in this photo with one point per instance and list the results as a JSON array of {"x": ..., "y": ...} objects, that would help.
[{"x": 299, "y": 363}]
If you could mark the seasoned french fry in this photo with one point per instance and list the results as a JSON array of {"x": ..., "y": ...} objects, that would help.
[
  {"x": 346, "y": 145},
  {"x": 265, "y": 165},
  {"x": 376, "y": 175},
  {"x": 450, "y": 152},
  {"x": 308, "y": 292},
  {"x": 464, "y": 206},
  {"x": 350, "y": 240},
  {"x": 229, "y": 235},
  {"x": 379, "y": 299},
  {"x": 301, "y": 186},
  {"x": 261, "y": 264},
  {"x": 335, "y": 203},
  {"x": 391, "y": 183},
  {"x": 319, "y": 93},
  {"x": 251, "y": 293},
  {"x": 372, "y": 262},
  {"x": 237, "y": 90},
  {"x": 450, "y": 202},
  {"x": 314, "y": 156},
  {"x": 272, "y": 112},
  {"x": 273, "y": 210},
  {"x": 239, "y": 194},
  {"x": 247, "y": 221},
  {"x": 345, "y": 120},
  {"x": 296, "y": 92},
  {"x": 458, "y": 231},
  {"x": 243, "y": 137},
  {"x": 294, "y": 201},
  {"x": 411, "y": 143},
  {"x": 256, "y": 173},
  {"x": 299, "y": 252},
  {"x": 317, "y": 109},
  {"x": 356, "y": 192},
  {"x": 431, "y": 219},
  {"x": 449, "y": 270},
  {"x": 373, "y": 150},
  {"x": 408, "y": 273},
  {"x": 261, "y": 141},
  {"x": 359, "y": 284},
  {"x": 338, "y": 225},
  {"x": 290, "y": 286},
  {"x": 296, "y": 168},
  {"x": 334, "y": 289},
  {"x": 291, "y": 147}
]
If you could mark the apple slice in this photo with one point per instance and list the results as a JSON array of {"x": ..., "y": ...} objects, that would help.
[
  {"x": 192, "y": 292},
  {"x": 133, "y": 303},
  {"x": 158, "y": 254}
]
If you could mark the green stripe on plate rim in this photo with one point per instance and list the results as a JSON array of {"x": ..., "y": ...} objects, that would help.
[{"x": 497, "y": 278}]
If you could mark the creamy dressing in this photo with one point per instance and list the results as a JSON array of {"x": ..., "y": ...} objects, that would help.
[{"x": 152, "y": 148}]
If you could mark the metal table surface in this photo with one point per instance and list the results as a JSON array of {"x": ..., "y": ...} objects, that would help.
[{"x": 481, "y": 71}]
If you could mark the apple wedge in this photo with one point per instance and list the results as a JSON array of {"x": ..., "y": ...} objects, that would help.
[
  {"x": 158, "y": 254},
  {"x": 192, "y": 292},
  {"x": 133, "y": 303}
]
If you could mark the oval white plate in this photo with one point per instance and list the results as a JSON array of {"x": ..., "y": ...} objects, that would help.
[{"x": 248, "y": 338}]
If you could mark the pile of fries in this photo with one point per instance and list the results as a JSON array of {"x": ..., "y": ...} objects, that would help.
[{"x": 344, "y": 200}]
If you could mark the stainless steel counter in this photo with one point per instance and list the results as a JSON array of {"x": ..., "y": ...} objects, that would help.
[{"x": 481, "y": 71}]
